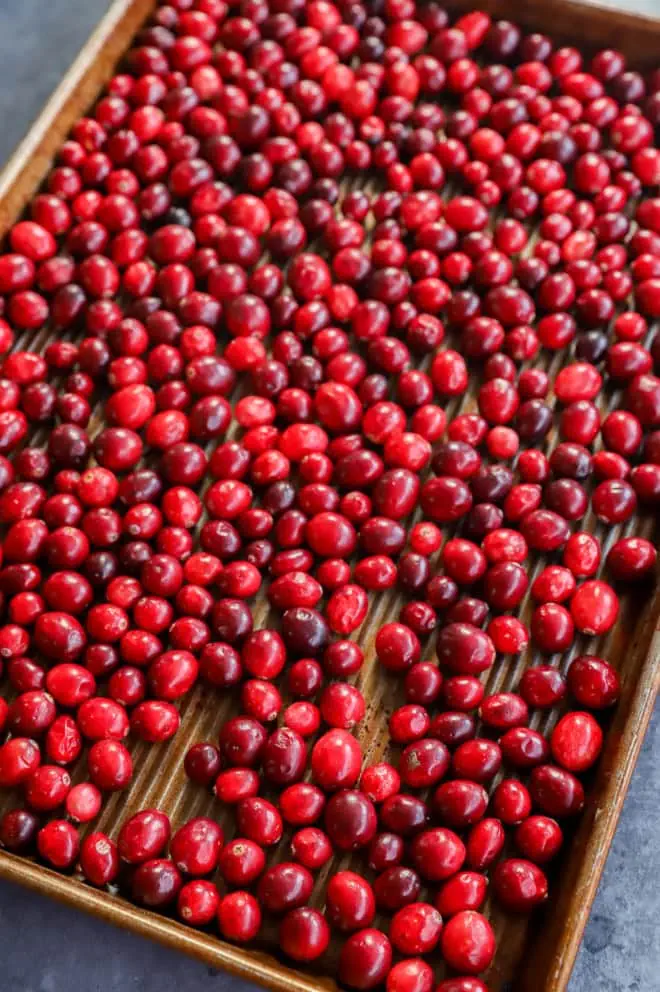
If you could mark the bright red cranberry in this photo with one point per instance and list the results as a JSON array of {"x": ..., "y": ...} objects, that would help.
[
  {"x": 468, "y": 942},
  {"x": 437, "y": 853},
  {"x": 410, "y": 975},
  {"x": 415, "y": 929},
  {"x": 195, "y": 847},
  {"x": 539, "y": 839},
  {"x": 350, "y": 901},
  {"x": 484, "y": 843},
  {"x": 110, "y": 765},
  {"x": 197, "y": 902},
  {"x": 576, "y": 741},
  {"x": 239, "y": 917},
  {"x": 311, "y": 847},
  {"x": 58, "y": 843},
  {"x": 593, "y": 682},
  {"x": 336, "y": 759},
  {"x": 594, "y": 607},
  {"x": 259, "y": 820},
  {"x": 465, "y": 890},
  {"x": 478, "y": 760},
  {"x": 144, "y": 836},
  {"x": 99, "y": 859}
]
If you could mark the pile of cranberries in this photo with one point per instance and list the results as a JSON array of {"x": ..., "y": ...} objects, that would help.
[{"x": 350, "y": 317}]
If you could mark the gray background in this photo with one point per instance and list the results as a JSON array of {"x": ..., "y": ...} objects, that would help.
[{"x": 47, "y": 948}]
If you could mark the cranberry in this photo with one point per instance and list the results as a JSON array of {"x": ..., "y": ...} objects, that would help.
[
  {"x": 110, "y": 765},
  {"x": 284, "y": 886},
  {"x": 18, "y": 831},
  {"x": 98, "y": 859},
  {"x": 195, "y": 847},
  {"x": 576, "y": 741},
  {"x": 415, "y": 929},
  {"x": 484, "y": 843},
  {"x": 465, "y": 649},
  {"x": 539, "y": 838},
  {"x": 594, "y": 607},
  {"x": 83, "y": 802},
  {"x": 350, "y": 901},
  {"x": 437, "y": 853},
  {"x": 397, "y": 647},
  {"x": 311, "y": 847},
  {"x": 336, "y": 759},
  {"x": 58, "y": 843},
  {"x": 556, "y": 791},
  {"x": 197, "y": 902},
  {"x": 411, "y": 975},
  {"x": 631, "y": 558},
  {"x": 552, "y": 627},
  {"x": 241, "y": 862},
  {"x": 156, "y": 883},
  {"x": 259, "y": 820},
  {"x": 593, "y": 682},
  {"x": 144, "y": 836},
  {"x": 239, "y": 916},
  {"x": 478, "y": 760},
  {"x": 350, "y": 819},
  {"x": 468, "y": 942},
  {"x": 519, "y": 885},
  {"x": 464, "y": 891},
  {"x": 365, "y": 959},
  {"x": 304, "y": 934}
]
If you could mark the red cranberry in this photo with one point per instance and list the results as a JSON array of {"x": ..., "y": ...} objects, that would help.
[
  {"x": 484, "y": 843},
  {"x": 58, "y": 843},
  {"x": 576, "y": 741},
  {"x": 195, "y": 847},
  {"x": 350, "y": 819},
  {"x": 593, "y": 682},
  {"x": 465, "y": 649},
  {"x": 144, "y": 836},
  {"x": 415, "y": 929},
  {"x": 594, "y": 607},
  {"x": 468, "y": 942},
  {"x": 350, "y": 901},
  {"x": 365, "y": 959},
  {"x": 556, "y": 791},
  {"x": 465, "y": 890},
  {"x": 437, "y": 853},
  {"x": 336, "y": 759},
  {"x": 239, "y": 916},
  {"x": 539, "y": 838},
  {"x": 304, "y": 934},
  {"x": 99, "y": 859},
  {"x": 411, "y": 975},
  {"x": 519, "y": 885},
  {"x": 284, "y": 886}
]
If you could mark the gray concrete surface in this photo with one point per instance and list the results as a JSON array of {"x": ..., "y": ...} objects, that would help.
[{"x": 47, "y": 948}]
